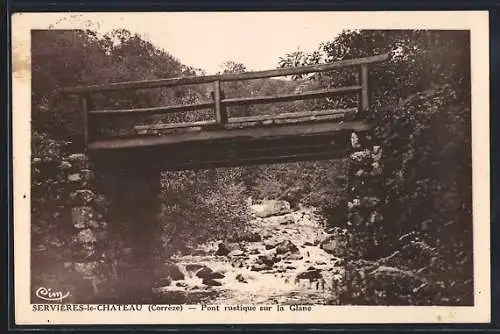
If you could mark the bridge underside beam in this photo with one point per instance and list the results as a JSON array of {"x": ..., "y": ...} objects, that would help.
[
  {"x": 213, "y": 154},
  {"x": 223, "y": 134}
]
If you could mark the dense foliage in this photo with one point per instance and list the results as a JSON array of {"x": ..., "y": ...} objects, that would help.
[{"x": 421, "y": 104}]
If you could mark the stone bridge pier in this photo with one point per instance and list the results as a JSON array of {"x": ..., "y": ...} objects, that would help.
[
  {"x": 115, "y": 209},
  {"x": 134, "y": 237}
]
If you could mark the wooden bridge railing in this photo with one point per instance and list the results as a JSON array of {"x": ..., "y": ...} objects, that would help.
[{"x": 219, "y": 102}]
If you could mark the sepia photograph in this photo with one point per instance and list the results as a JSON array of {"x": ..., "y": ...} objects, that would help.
[{"x": 230, "y": 163}]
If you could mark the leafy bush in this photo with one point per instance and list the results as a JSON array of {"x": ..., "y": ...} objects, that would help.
[
  {"x": 201, "y": 206},
  {"x": 429, "y": 183}
]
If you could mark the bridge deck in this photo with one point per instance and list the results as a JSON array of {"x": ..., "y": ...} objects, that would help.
[
  {"x": 226, "y": 133},
  {"x": 225, "y": 146},
  {"x": 226, "y": 153}
]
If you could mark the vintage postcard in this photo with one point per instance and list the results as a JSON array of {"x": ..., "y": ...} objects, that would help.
[{"x": 251, "y": 167}]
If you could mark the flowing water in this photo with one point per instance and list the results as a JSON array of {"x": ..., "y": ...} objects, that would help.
[{"x": 260, "y": 272}]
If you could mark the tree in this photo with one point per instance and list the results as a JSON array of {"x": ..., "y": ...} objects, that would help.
[
  {"x": 233, "y": 67},
  {"x": 236, "y": 88}
]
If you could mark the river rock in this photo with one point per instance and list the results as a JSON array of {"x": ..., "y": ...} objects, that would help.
[
  {"x": 205, "y": 273},
  {"x": 254, "y": 251},
  {"x": 263, "y": 262},
  {"x": 270, "y": 208},
  {"x": 241, "y": 279},
  {"x": 238, "y": 263},
  {"x": 174, "y": 272},
  {"x": 194, "y": 266},
  {"x": 286, "y": 247},
  {"x": 217, "y": 275},
  {"x": 268, "y": 260},
  {"x": 259, "y": 267},
  {"x": 222, "y": 250},
  {"x": 211, "y": 282}
]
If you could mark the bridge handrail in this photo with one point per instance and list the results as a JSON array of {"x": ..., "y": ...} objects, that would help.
[
  {"x": 219, "y": 102},
  {"x": 193, "y": 80}
]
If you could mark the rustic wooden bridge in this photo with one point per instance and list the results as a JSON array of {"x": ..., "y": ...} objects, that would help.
[{"x": 225, "y": 140}]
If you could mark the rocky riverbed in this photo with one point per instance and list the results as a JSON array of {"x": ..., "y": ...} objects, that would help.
[{"x": 290, "y": 258}]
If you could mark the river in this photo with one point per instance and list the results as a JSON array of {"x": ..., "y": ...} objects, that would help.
[{"x": 286, "y": 266}]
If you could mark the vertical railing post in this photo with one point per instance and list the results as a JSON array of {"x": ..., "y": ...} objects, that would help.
[
  {"x": 84, "y": 100},
  {"x": 365, "y": 96},
  {"x": 220, "y": 112}
]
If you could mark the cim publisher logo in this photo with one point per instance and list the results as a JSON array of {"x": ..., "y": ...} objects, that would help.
[{"x": 51, "y": 294}]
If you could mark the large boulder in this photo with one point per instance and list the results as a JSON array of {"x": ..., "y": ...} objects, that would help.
[
  {"x": 217, "y": 275},
  {"x": 269, "y": 208},
  {"x": 207, "y": 273}
]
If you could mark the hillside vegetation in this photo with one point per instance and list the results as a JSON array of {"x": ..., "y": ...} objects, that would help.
[{"x": 421, "y": 105}]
